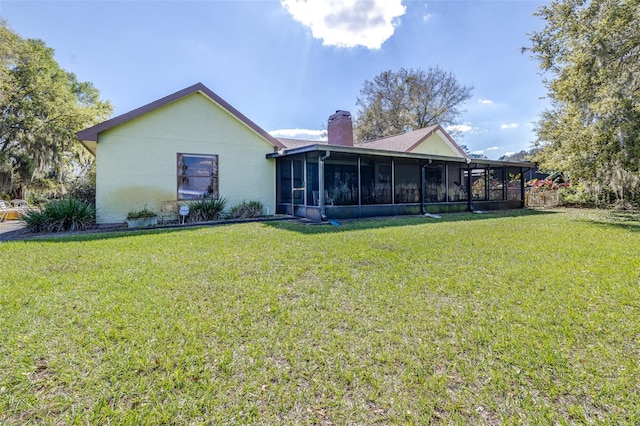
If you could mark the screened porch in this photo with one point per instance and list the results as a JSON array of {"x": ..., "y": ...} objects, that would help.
[{"x": 321, "y": 181}]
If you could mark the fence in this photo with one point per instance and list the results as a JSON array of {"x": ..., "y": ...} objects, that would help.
[{"x": 542, "y": 198}]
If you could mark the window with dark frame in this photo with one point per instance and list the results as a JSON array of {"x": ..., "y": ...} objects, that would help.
[{"x": 197, "y": 176}]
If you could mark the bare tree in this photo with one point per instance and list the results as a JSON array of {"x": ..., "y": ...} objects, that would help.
[{"x": 397, "y": 102}]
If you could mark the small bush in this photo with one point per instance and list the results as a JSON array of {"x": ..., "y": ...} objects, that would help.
[
  {"x": 577, "y": 195},
  {"x": 139, "y": 214},
  {"x": 36, "y": 220},
  {"x": 36, "y": 199},
  {"x": 61, "y": 215},
  {"x": 207, "y": 209},
  {"x": 83, "y": 188},
  {"x": 246, "y": 210}
]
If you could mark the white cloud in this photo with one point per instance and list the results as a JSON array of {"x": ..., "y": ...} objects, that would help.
[
  {"x": 427, "y": 16},
  {"x": 478, "y": 152},
  {"x": 485, "y": 101},
  {"x": 492, "y": 148},
  {"x": 459, "y": 128},
  {"x": 465, "y": 127},
  {"x": 306, "y": 134},
  {"x": 348, "y": 23},
  {"x": 509, "y": 126},
  {"x": 509, "y": 153}
]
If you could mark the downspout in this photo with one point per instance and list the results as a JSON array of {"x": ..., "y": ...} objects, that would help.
[
  {"x": 423, "y": 178},
  {"x": 321, "y": 200}
]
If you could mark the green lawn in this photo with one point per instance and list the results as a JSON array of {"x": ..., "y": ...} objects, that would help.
[{"x": 522, "y": 317}]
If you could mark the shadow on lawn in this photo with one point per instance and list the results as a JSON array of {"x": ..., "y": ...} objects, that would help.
[
  {"x": 294, "y": 225},
  {"x": 396, "y": 221},
  {"x": 629, "y": 221}
]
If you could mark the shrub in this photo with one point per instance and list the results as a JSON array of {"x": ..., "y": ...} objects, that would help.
[
  {"x": 577, "y": 195},
  {"x": 36, "y": 199},
  {"x": 83, "y": 188},
  {"x": 139, "y": 214},
  {"x": 61, "y": 215},
  {"x": 36, "y": 220},
  {"x": 246, "y": 209},
  {"x": 207, "y": 209}
]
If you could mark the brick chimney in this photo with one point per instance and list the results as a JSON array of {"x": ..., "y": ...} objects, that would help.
[{"x": 340, "y": 129}]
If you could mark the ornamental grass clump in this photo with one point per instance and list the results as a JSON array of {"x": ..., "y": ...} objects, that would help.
[
  {"x": 67, "y": 214},
  {"x": 246, "y": 210},
  {"x": 207, "y": 209}
]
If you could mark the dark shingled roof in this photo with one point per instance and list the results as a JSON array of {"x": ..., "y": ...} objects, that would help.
[{"x": 297, "y": 143}]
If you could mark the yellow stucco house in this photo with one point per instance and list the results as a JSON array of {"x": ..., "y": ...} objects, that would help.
[
  {"x": 181, "y": 147},
  {"x": 193, "y": 144}
]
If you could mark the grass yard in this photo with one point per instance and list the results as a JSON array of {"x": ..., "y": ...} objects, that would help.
[{"x": 521, "y": 317}]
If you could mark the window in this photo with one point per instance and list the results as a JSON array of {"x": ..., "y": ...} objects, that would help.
[{"x": 197, "y": 176}]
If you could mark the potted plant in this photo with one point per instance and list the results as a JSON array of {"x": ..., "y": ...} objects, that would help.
[{"x": 142, "y": 218}]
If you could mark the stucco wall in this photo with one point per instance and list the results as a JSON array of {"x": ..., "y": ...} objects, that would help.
[
  {"x": 136, "y": 161},
  {"x": 436, "y": 145}
]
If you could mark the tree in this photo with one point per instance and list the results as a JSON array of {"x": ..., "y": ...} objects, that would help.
[
  {"x": 397, "y": 102},
  {"x": 518, "y": 156},
  {"x": 42, "y": 108},
  {"x": 473, "y": 155},
  {"x": 590, "y": 52}
]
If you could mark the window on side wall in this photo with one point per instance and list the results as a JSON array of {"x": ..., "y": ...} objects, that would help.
[{"x": 197, "y": 176}]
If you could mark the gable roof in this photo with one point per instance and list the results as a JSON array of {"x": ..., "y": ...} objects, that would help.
[
  {"x": 91, "y": 134},
  {"x": 297, "y": 143},
  {"x": 407, "y": 142}
]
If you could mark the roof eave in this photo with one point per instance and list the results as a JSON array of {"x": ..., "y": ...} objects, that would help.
[{"x": 395, "y": 154}]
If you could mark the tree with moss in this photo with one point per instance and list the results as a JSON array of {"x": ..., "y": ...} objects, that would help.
[
  {"x": 398, "y": 102},
  {"x": 589, "y": 52},
  {"x": 42, "y": 107}
]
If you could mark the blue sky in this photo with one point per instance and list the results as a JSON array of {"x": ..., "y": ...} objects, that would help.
[{"x": 289, "y": 64}]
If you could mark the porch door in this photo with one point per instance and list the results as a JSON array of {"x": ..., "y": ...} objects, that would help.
[{"x": 298, "y": 187}]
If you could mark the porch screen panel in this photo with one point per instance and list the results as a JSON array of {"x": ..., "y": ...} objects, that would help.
[
  {"x": 479, "y": 184},
  {"x": 283, "y": 180},
  {"x": 341, "y": 178},
  {"x": 496, "y": 183},
  {"x": 313, "y": 197},
  {"x": 375, "y": 178},
  {"x": 407, "y": 181},
  {"x": 514, "y": 183},
  {"x": 435, "y": 189},
  {"x": 457, "y": 186}
]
